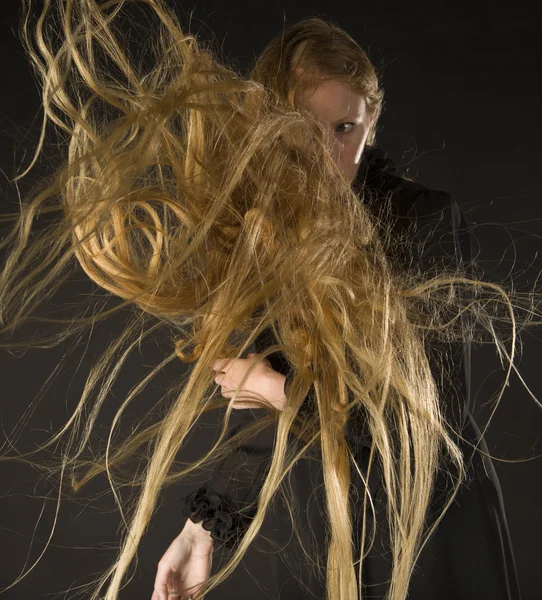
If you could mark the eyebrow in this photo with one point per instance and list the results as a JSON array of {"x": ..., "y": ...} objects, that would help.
[{"x": 355, "y": 118}]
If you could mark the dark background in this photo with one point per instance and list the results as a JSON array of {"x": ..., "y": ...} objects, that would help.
[{"x": 462, "y": 114}]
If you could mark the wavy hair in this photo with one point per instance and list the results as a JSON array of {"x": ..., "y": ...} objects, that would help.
[{"x": 210, "y": 203}]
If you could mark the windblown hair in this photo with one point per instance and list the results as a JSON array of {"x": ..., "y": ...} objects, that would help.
[{"x": 209, "y": 202}]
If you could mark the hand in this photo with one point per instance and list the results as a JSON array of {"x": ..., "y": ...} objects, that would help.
[
  {"x": 186, "y": 562},
  {"x": 262, "y": 381}
]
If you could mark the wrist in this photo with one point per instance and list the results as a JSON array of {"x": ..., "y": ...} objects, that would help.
[
  {"x": 196, "y": 535},
  {"x": 276, "y": 385}
]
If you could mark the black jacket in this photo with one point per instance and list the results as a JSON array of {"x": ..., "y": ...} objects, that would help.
[
  {"x": 470, "y": 555},
  {"x": 438, "y": 238}
]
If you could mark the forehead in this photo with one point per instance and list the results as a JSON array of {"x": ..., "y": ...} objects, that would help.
[{"x": 333, "y": 100}]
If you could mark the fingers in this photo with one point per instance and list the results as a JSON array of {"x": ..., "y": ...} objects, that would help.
[
  {"x": 163, "y": 574},
  {"x": 196, "y": 575},
  {"x": 185, "y": 565},
  {"x": 160, "y": 596},
  {"x": 223, "y": 364},
  {"x": 169, "y": 575},
  {"x": 255, "y": 377}
]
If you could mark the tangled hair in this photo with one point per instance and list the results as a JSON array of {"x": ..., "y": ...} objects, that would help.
[{"x": 209, "y": 203}]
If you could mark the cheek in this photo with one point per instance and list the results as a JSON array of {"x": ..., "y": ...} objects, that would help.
[
  {"x": 356, "y": 147},
  {"x": 350, "y": 150}
]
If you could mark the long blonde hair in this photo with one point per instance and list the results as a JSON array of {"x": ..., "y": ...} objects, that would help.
[{"x": 208, "y": 202}]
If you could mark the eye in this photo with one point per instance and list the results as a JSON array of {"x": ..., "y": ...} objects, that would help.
[{"x": 342, "y": 125}]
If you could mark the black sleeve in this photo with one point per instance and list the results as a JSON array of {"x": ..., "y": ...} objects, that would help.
[
  {"x": 464, "y": 242},
  {"x": 434, "y": 236},
  {"x": 441, "y": 240},
  {"x": 225, "y": 501}
]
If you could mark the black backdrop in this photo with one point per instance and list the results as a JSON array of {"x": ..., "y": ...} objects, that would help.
[{"x": 462, "y": 114}]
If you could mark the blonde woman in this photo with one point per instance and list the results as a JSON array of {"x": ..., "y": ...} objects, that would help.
[
  {"x": 484, "y": 568},
  {"x": 320, "y": 298}
]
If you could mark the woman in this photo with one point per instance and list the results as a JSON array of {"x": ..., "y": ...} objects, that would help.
[
  {"x": 443, "y": 233},
  {"x": 223, "y": 208},
  {"x": 436, "y": 217}
]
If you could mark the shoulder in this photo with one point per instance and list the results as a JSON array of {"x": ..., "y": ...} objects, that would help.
[
  {"x": 379, "y": 175},
  {"x": 429, "y": 219}
]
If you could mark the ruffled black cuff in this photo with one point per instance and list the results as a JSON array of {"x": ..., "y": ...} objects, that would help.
[{"x": 226, "y": 524}]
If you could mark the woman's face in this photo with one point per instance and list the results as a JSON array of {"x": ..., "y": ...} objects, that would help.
[{"x": 345, "y": 111}]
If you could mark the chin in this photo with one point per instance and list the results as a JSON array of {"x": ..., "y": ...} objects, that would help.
[{"x": 351, "y": 176}]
